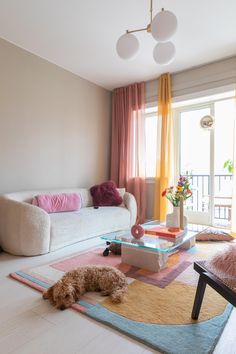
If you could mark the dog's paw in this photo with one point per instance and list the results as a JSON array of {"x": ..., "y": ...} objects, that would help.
[
  {"x": 48, "y": 294},
  {"x": 45, "y": 295},
  {"x": 117, "y": 298},
  {"x": 105, "y": 292}
]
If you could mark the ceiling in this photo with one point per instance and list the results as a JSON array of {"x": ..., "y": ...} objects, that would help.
[{"x": 81, "y": 35}]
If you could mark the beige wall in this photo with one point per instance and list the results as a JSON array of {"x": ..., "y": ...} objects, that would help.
[{"x": 54, "y": 126}]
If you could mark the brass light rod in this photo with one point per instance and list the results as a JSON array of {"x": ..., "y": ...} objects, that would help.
[
  {"x": 150, "y": 11},
  {"x": 148, "y": 28},
  {"x": 137, "y": 30}
]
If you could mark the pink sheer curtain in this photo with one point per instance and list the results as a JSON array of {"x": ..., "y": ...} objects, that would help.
[{"x": 128, "y": 143}]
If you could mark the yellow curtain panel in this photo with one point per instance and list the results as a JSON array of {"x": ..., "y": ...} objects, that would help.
[{"x": 163, "y": 167}]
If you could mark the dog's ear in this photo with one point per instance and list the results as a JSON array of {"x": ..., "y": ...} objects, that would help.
[
  {"x": 48, "y": 294},
  {"x": 77, "y": 292},
  {"x": 74, "y": 292}
]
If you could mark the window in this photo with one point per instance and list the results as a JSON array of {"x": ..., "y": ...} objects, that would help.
[
  {"x": 151, "y": 130},
  {"x": 202, "y": 154},
  {"x": 199, "y": 153}
]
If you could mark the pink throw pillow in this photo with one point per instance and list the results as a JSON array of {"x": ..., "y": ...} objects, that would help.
[
  {"x": 224, "y": 262},
  {"x": 213, "y": 234},
  {"x": 105, "y": 194},
  {"x": 55, "y": 203}
]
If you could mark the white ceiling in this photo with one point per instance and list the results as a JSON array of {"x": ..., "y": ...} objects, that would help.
[{"x": 81, "y": 35}]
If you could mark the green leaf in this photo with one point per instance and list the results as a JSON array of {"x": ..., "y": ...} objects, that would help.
[
  {"x": 226, "y": 163},
  {"x": 229, "y": 165}
]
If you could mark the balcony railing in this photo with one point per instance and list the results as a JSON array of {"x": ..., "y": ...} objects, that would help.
[{"x": 200, "y": 199}]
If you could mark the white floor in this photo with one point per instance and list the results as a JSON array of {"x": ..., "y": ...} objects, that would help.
[{"x": 30, "y": 325}]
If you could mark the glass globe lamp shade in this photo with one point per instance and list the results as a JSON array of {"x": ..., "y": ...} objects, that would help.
[
  {"x": 164, "y": 53},
  {"x": 127, "y": 46},
  {"x": 164, "y": 26}
]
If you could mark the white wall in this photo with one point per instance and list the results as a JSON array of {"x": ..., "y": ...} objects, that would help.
[{"x": 54, "y": 126}]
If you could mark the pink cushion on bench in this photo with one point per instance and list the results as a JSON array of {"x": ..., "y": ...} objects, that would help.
[
  {"x": 55, "y": 203},
  {"x": 225, "y": 261}
]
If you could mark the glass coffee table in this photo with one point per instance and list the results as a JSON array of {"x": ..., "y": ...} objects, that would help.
[{"x": 150, "y": 252}]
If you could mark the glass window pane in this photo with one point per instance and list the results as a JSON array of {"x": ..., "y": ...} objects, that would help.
[
  {"x": 151, "y": 145},
  {"x": 195, "y": 143},
  {"x": 195, "y": 157},
  {"x": 224, "y": 129}
]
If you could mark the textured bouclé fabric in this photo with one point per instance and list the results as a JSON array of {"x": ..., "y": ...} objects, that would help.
[{"x": 27, "y": 230}]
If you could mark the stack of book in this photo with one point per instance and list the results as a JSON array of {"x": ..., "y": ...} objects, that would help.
[{"x": 162, "y": 231}]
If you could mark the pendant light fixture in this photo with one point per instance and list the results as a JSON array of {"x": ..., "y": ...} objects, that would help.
[{"x": 162, "y": 27}]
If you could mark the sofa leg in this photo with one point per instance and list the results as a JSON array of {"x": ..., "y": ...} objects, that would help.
[{"x": 198, "y": 298}]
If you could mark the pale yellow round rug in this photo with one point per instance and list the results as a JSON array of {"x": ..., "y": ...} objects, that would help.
[{"x": 171, "y": 305}]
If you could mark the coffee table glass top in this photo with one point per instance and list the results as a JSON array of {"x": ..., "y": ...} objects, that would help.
[{"x": 154, "y": 243}]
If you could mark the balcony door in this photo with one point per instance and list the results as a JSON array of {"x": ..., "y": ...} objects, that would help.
[{"x": 201, "y": 154}]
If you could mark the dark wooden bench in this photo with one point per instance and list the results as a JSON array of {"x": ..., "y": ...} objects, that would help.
[{"x": 206, "y": 277}]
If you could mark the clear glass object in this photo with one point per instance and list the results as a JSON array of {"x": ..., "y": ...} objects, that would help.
[{"x": 154, "y": 243}]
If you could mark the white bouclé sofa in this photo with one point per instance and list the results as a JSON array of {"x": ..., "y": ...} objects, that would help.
[{"x": 27, "y": 230}]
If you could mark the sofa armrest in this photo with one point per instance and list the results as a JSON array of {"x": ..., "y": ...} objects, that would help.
[
  {"x": 131, "y": 205},
  {"x": 24, "y": 228}
]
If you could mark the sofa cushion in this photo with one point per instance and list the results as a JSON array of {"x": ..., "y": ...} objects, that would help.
[
  {"x": 106, "y": 194},
  {"x": 68, "y": 228},
  {"x": 54, "y": 203}
]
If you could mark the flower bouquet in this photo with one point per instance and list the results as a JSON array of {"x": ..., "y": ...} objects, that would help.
[
  {"x": 177, "y": 195},
  {"x": 181, "y": 190}
]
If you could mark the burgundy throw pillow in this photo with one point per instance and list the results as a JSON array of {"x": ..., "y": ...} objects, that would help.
[{"x": 105, "y": 194}]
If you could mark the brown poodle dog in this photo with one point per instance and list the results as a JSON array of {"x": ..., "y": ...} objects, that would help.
[{"x": 109, "y": 280}]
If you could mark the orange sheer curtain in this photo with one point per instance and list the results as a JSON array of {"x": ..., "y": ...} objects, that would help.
[
  {"x": 128, "y": 143},
  {"x": 164, "y": 154}
]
